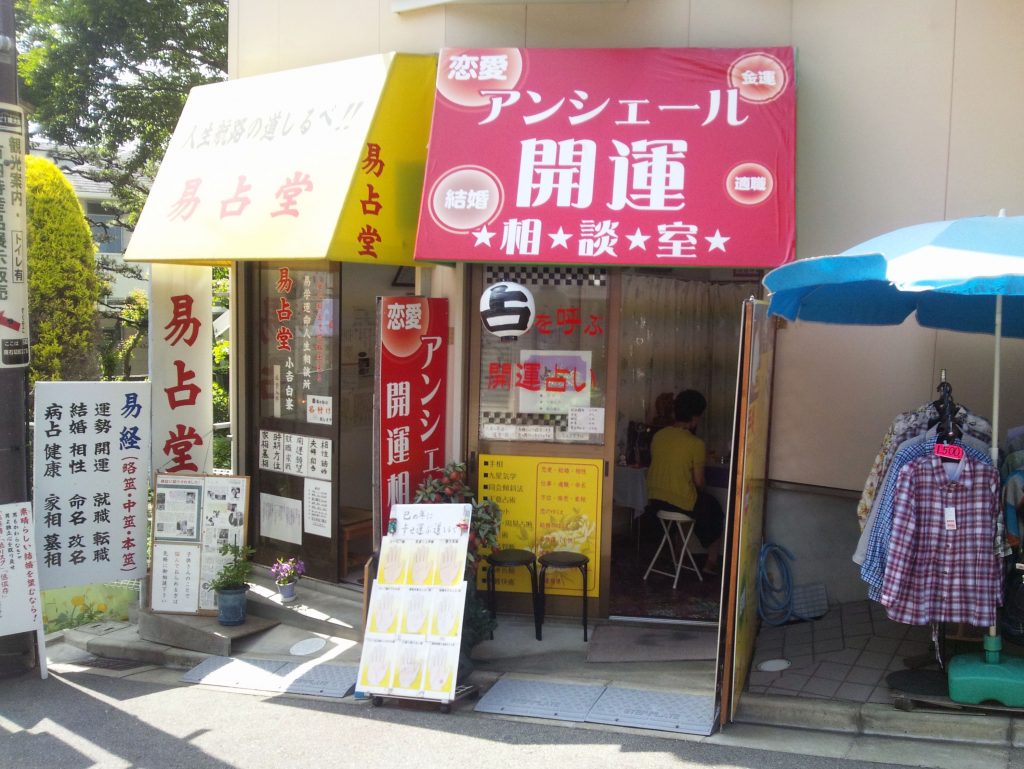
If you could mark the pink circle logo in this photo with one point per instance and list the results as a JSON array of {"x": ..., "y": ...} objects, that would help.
[
  {"x": 759, "y": 77},
  {"x": 465, "y": 198},
  {"x": 749, "y": 184},
  {"x": 463, "y": 72}
]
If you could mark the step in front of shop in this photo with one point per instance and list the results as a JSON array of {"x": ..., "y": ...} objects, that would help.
[{"x": 880, "y": 720}]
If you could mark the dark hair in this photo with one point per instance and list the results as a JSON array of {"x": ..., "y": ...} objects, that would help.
[{"x": 689, "y": 404}]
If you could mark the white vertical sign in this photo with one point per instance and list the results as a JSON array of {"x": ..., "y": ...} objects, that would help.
[
  {"x": 91, "y": 473},
  {"x": 13, "y": 239},
  {"x": 21, "y": 609},
  {"x": 181, "y": 368}
]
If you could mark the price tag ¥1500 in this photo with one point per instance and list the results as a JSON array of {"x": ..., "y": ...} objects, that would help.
[{"x": 949, "y": 451}]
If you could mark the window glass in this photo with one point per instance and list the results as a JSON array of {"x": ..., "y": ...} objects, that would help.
[
  {"x": 296, "y": 346},
  {"x": 548, "y": 384}
]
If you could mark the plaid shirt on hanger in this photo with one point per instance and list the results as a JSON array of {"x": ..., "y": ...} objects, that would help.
[
  {"x": 941, "y": 566},
  {"x": 872, "y": 570}
]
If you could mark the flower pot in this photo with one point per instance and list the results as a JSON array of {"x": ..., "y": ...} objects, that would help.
[
  {"x": 231, "y": 605},
  {"x": 287, "y": 591}
]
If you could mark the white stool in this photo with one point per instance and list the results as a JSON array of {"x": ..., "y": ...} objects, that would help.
[{"x": 684, "y": 524}]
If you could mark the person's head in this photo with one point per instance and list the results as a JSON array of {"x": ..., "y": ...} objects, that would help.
[{"x": 689, "y": 405}]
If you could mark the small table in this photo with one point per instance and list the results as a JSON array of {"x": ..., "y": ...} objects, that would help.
[{"x": 355, "y": 522}]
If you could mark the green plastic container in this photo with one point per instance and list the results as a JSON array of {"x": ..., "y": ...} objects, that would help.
[{"x": 975, "y": 678}]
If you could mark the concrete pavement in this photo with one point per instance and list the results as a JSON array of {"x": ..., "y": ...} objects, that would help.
[{"x": 826, "y": 729}]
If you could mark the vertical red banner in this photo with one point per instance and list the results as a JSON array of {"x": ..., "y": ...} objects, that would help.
[{"x": 411, "y": 396}]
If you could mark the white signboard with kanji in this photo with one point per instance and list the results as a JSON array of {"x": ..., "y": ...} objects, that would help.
[
  {"x": 91, "y": 470},
  {"x": 13, "y": 239},
  {"x": 181, "y": 367}
]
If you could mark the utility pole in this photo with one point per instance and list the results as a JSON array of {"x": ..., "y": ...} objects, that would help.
[{"x": 13, "y": 342}]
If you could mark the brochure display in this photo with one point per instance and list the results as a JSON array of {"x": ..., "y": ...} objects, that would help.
[
  {"x": 193, "y": 516},
  {"x": 415, "y": 615}
]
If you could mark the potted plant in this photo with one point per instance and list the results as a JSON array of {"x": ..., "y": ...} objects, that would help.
[
  {"x": 286, "y": 573},
  {"x": 449, "y": 485},
  {"x": 231, "y": 584}
]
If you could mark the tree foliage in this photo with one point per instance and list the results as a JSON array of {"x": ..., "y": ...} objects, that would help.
[
  {"x": 106, "y": 80},
  {"x": 63, "y": 286}
]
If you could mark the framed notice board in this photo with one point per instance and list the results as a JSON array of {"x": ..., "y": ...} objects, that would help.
[{"x": 193, "y": 515}]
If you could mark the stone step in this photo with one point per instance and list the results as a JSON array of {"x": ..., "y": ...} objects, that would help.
[{"x": 320, "y": 607}]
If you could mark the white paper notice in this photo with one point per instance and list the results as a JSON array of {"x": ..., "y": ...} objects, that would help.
[
  {"x": 175, "y": 578},
  {"x": 316, "y": 508},
  {"x": 586, "y": 420},
  {"x": 281, "y": 518},
  {"x": 319, "y": 409}
]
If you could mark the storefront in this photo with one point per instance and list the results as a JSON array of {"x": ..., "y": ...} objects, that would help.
[
  {"x": 616, "y": 213},
  {"x": 307, "y": 183},
  {"x": 861, "y": 172}
]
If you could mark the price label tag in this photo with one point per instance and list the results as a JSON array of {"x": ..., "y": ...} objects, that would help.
[
  {"x": 949, "y": 451},
  {"x": 949, "y": 516}
]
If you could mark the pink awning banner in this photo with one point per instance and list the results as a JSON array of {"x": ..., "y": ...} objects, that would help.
[{"x": 656, "y": 157}]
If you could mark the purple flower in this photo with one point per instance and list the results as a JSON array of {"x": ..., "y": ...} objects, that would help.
[{"x": 287, "y": 571}]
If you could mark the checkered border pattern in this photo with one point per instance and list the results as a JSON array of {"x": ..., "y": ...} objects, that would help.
[
  {"x": 559, "y": 421},
  {"x": 535, "y": 275}
]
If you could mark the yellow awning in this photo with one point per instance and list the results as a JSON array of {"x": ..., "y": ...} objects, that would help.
[{"x": 311, "y": 163}]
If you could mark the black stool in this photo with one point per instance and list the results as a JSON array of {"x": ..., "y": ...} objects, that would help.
[
  {"x": 563, "y": 559},
  {"x": 510, "y": 558}
]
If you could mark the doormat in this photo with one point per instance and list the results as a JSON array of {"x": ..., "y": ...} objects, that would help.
[
  {"x": 637, "y": 643},
  {"x": 540, "y": 699},
  {"x": 277, "y": 676},
  {"x": 601, "y": 704},
  {"x": 646, "y": 709}
]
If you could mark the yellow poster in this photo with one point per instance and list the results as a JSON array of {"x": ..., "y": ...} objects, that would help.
[{"x": 547, "y": 504}]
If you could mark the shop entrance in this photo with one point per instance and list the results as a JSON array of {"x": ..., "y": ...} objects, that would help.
[
  {"x": 310, "y": 411},
  {"x": 677, "y": 330}
]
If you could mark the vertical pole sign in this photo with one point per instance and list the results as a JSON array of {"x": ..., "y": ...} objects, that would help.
[
  {"x": 181, "y": 368},
  {"x": 13, "y": 252},
  {"x": 410, "y": 398}
]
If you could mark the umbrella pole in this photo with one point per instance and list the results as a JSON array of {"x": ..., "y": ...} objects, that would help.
[
  {"x": 995, "y": 382},
  {"x": 992, "y": 655}
]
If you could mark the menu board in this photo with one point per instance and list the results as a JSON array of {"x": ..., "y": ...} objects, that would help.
[
  {"x": 193, "y": 516},
  {"x": 547, "y": 503},
  {"x": 414, "y": 620}
]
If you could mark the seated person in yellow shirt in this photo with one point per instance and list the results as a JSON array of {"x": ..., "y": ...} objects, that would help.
[{"x": 676, "y": 476}]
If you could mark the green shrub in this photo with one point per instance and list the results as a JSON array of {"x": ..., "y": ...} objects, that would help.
[{"x": 62, "y": 280}]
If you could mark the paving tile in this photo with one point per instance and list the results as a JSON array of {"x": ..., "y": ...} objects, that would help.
[
  {"x": 832, "y": 670},
  {"x": 857, "y": 641},
  {"x": 911, "y": 648},
  {"x": 757, "y": 689},
  {"x": 858, "y": 628},
  {"x": 864, "y": 675},
  {"x": 798, "y": 649},
  {"x": 881, "y": 694},
  {"x": 820, "y": 686},
  {"x": 891, "y": 630},
  {"x": 792, "y": 682},
  {"x": 801, "y": 662},
  {"x": 783, "y": 692},
  {"x": 854, "y": 692},
  {"x": 884, "y": 645},
  {"x": 874, "y": 660},
  {"x": 843, "y": 656},
  {"x": 827, "y": 646},
  {"x": 827, "y": 633},
  {"x": 761, "y": 678}
]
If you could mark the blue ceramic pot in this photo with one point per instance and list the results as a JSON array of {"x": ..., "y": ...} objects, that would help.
[{"x": 231, "y": 605}]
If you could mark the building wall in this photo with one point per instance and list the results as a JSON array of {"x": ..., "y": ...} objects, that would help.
[{"x": 906, "y": 113}]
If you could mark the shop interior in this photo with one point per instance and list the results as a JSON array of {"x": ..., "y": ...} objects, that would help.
[{"x": 679, "y": 329}]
